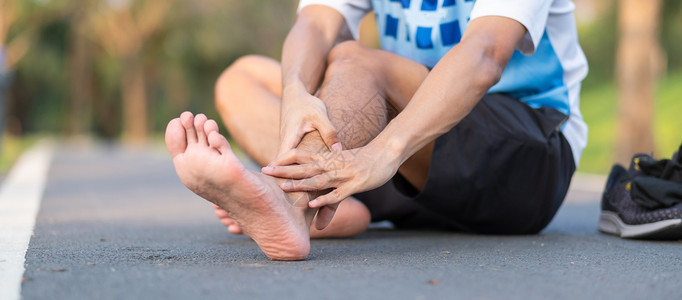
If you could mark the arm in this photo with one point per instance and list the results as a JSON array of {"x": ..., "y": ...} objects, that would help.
[
  {"x": 305, "y": 50},
  {"x": 455, "y": 85},
  {"x": 304, "y": 60}
]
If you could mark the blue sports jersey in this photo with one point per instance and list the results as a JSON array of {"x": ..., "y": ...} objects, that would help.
[
  {"x": 544, "y": 71},
  {"x": 421, "y": 30}
]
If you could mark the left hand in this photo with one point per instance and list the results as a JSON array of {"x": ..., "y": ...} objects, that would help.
[{"x": 345, "y": 172}]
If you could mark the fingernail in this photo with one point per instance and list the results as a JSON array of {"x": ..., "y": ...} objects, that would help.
[
  {"x": 267, "y": 169},
  {"x": 313, "y": 202},
  {"x": 286, "y": 185},
  {"x": 337, "y": 147}
]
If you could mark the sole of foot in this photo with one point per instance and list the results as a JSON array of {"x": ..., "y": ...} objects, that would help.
[{"x": 206, "y": 164}]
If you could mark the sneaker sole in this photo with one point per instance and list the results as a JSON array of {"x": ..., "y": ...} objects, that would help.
[{"x": 610, "y": 222}]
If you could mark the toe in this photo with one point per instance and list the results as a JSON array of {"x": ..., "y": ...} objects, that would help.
[
  {"x": 218, "y": 141},
  {"x": 199, "y": 121},
  {"x": 187, "y": 120},
  {"x": 228, "y": 222},
  {"x": 176, "y": 140},
  {"x": 210, "y": 126},
  {"x": 235, "y": 229},
  {"x": 221, "y": 214}
]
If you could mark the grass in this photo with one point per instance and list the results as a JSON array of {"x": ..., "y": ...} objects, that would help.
[
  {"x": 599, "y": 107},
  {"x": 11, "y": 148}
]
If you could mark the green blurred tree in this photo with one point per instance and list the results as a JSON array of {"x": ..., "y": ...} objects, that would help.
[
  {"x": 123, "y": 28},
  {"x": 21, "y": 25},
  {"x": 124, "y": 68}
]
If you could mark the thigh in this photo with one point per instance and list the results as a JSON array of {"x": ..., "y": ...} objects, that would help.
[
  {"x": 248, "y": 98},
  {"x": 401, "y": 77}
]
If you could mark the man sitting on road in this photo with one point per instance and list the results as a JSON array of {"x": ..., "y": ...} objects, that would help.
[{"x": 467, "y": 119}]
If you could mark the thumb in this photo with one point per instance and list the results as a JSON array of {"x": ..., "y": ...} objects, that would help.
[
  {"x": 325, "y": 215},
  {"x": 289, "y": 140}
]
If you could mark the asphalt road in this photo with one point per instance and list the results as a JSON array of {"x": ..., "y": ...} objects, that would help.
[{"x": 117, "y": 223}]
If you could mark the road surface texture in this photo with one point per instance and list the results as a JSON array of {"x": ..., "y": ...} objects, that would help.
[{"x": 116, "y": 223}]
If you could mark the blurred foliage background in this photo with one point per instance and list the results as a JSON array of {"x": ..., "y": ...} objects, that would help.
[{"x": 121, "y": 69}]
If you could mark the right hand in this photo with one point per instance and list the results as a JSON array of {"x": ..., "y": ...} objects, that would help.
[{"x": 303, "y": 113}]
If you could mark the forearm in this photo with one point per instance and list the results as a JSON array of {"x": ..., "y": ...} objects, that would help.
[
  {"x": 305, "y": 50},
  {"x": 452, "y": 89}
]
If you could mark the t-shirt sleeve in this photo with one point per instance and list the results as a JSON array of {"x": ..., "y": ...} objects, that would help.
[
  {"x": 532, "y": 14},
  {"x": 352, "y": 10}
]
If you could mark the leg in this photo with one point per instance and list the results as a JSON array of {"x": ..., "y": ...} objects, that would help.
[
  {"x": 248, "y": 96},
  {"x": 363, "y": 89},
  {"x": 357, "y": 82}
]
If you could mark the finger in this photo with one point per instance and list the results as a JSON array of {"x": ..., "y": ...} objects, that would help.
[
  {"x": 333, "y": 197},
  {"x": 315, "y": 183},
  {"x": 325, "y": 215},
  {"x": 329, "y": 135},
  {"x": 293, "y": 156},
  {"x": 292, "y": 171}
]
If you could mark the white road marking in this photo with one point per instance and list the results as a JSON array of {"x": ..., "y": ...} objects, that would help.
[{"x": 20, "y": 197}]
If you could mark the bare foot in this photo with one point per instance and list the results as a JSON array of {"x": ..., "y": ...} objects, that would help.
[
  {"x": 226, "y": 220},
  {"x": 206, "y": 165},
  {"x": 351, "y": 218}
]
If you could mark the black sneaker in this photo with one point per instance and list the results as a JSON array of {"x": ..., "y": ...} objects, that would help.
[{"x": 623, "y": 217}]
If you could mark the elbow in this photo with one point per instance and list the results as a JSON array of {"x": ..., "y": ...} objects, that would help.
[
  {"x": 493, "y": 41},
  {"x": 489, "y": 72},
  {"x": 491, "y": 65},
  {"x": 493, "y": 70}
]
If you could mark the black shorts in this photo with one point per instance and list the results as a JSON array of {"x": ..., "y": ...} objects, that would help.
[{"x": 504, "y": 169}]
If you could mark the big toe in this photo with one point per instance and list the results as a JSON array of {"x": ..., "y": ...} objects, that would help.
[{"x": 176, "y": 140}]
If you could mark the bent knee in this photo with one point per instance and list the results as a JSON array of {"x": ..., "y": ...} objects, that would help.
[
  {"x": 350, "y": 58},
  {"x": 243, "y": 72},
  {"x": 245, "y": 66},
  {"x": 345, "y": 51}
]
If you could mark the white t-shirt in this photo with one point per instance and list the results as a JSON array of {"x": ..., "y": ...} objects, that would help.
[{"x": 545, "y": 70}]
